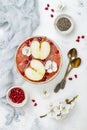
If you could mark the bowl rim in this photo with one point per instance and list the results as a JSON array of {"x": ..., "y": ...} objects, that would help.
[
  {"x": 71, "y": 20},
  {"x": 15, "y": 104},
  {"x": 40, "y": 82}
]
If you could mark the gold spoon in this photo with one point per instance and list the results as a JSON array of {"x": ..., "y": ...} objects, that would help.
[
  {"x": 72, "y": 54},
  {"x": 75, "y": 63}
]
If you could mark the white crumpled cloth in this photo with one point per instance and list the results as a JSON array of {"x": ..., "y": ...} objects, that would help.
[{"x": 18, "y": 19}]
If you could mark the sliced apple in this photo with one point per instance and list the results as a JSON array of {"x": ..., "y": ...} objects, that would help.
[
  {"x": 35, "y": 71},
  {"x": 40, "y": 50}
]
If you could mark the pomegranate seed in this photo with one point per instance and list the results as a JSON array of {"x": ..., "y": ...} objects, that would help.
[
  {"x": 33, "y": 100},
  {"x": 22, "y": 73},
  {"x": 17, "y": 95},
  {"x": 75, "y": 76},
  {"x": 52, "y": 15},
  {"x": 78, "y": 37},
  {"x": 46, "y": 8},
  {"x": 48, "y": 5},
  {"x": 26, "y": 62},
  {"x": 52, "y": 10},
  {"x": 30, "y": 57},
  {"x": 31, "y": 39},
  {"x": 70, "y": 78},
  {"x": 57, "y": 52},
  {"x": 35, "y": 104},
  {"x": 13, "y": 100},
  {"x": 39, "y": 39},
  {"x": 77, "y": 40},
  {"x": 47, "y": 74},
  {"x": 27, "y": 43},
  {"x": 44, "y": 78},
  {"x": 51, "y": 43},
  {"x": 82, "y": 36}
]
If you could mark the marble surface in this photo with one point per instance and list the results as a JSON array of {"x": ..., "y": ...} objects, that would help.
[{"x": 77, "y": 86}]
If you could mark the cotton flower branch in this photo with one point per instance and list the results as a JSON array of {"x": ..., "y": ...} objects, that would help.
[{"x": 60, "y": 109}]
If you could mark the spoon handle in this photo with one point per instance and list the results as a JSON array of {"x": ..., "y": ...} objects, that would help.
[
  {"x": 62, "y": 83},
  {"x": 60, "y": 86}
]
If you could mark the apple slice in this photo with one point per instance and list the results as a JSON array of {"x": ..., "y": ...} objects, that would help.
[
  {"x": 40, "y": 50},
  {"x": 35, "y": 71}
]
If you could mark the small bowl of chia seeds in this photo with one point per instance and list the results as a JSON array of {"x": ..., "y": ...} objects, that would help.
[{"x": 64, "y": 24}]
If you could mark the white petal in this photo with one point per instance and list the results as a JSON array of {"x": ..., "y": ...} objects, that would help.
[
  {"x": 57, "y": 111},
  {"x": 54, "y": 64},
  {"x": 65, "y": 109},
  {"x": 48, "y": 64},
  {"x": 51, "y": 105},
  {"x": 26, "y": 51},
  {"x": 72, "y": 105},
  {"x": 46, "y": 92},
  {"x": 54, "y": 69},
  {"x": 51, "y": 113},
  {"x": 49, "y": 70},
  {"x": 57, "y": 117}
]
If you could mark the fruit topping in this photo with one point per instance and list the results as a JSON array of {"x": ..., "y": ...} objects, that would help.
[
  {"x": 35, "y": 71},
  {"x": 51, "y": 66},
  {"x": 40, "y": 50},
  {"x": 26, "y": 51}
]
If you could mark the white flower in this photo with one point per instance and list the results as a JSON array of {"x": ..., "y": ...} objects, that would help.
[
  {"x": 46, "y": 92},
  {"x": 26, "y": 51},
  {"x": 60, "y": 6},
  {"x": 60, "y": 110},
  {"x": 72, "y": 105},
  {"x": 51, "y": 66},
  {"x": 64, "y": 108},
  {"x": 55, "y": 113}
]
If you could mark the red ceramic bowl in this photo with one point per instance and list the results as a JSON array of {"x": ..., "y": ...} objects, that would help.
[{"x": 38, "y": 59}]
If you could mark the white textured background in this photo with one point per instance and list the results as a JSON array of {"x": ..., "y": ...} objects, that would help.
[{"x": 78, "y": 117}]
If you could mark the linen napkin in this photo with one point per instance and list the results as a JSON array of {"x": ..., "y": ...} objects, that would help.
[{"x": 18, "y": 19}]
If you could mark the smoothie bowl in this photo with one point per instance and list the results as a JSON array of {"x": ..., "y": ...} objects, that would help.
[{"x": 38, "y": 59}]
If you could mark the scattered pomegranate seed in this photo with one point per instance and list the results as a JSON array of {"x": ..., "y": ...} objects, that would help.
[
  {"x": 78, "y": 37},
  {"x": 70, "y": 78},
  {"x": 17, "y": 95},
  {"x": 35, "y": 104},
  {"x": 52, "y": 15},
  {"x": 46, "y": 8},
  {"x": 77, "y": 40},
  {"x": 75, "y": 76},
  {"x": 82, "y": 36},
  {"x": 48, "y": 5},
  {"x": 33, "y": 100},
  {"x": 52, "y": 10}
]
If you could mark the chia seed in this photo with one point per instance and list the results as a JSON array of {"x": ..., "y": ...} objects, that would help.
[{"x": 63, "y": 24}]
